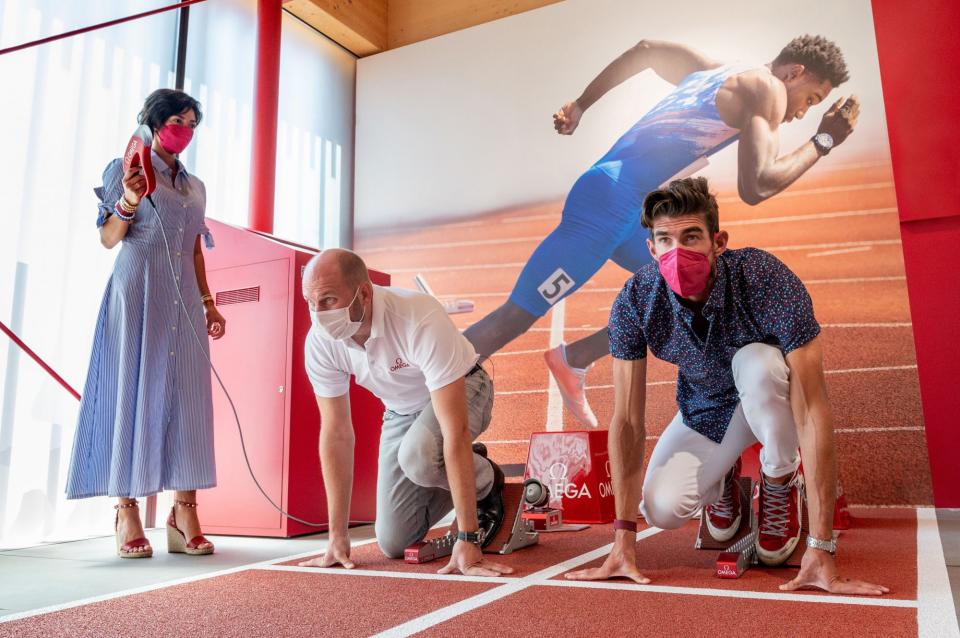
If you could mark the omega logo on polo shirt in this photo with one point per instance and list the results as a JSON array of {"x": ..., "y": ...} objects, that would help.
[{"x": 399, "y": 364}]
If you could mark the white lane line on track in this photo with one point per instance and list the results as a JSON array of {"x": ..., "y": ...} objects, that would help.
[
  {"x": 587, "y": 289},
  {"x": 656, "y": 383},
  {"x": 554, "y": 400},
  {"x": 654, "y": 437},
  {"x": 841, "y": 251},
  {"x": 733, "y": 593},
  {"x": 520, "y": 264},
  {"x": 822, "y": 190},
  {"x": 163, "y": 585},
  {"x": 936, "y": 615},
  {"x": 474, "y": 602},
  {"x": 886, "y": 324},
  {"x": 339, "y": 571}
]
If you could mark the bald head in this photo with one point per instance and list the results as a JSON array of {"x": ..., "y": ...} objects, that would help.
[
  {"x": 332, "y": 277},
  {"x": 337, "y": 263}
]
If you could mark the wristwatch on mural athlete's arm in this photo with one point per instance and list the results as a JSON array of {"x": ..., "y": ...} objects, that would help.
[{"x": 823, "y": 143}]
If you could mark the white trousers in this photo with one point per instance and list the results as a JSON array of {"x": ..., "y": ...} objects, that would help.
[{"x": 687, "y": 469}]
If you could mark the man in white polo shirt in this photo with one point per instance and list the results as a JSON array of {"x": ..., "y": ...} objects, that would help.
[{"x": 402, "y": 346}]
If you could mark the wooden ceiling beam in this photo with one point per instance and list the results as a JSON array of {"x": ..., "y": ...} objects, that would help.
[{"x": 360, "y": 26}]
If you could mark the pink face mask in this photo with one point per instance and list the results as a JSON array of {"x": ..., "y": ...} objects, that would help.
[
  {"x": 686, "y": 271},
  {"x": 175, "y": 137}
]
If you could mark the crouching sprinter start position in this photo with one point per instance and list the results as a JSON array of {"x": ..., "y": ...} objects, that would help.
[
  {"x": 740, "y": 327},
  {"x": 402, "y": 346}
]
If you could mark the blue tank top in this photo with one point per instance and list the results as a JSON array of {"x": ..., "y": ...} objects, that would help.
[{"x": 673, "y": 139}]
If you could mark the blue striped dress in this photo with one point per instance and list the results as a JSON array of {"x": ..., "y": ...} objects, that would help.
[{"x": 146, "y": 417}]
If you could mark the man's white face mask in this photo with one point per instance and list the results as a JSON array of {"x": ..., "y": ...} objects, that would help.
[{"x": 335, "y": 325}]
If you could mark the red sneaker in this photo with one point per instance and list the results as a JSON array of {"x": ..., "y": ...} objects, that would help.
[
  {"x": 781, "y": 516},
  {"x": 723, "y": 517}
]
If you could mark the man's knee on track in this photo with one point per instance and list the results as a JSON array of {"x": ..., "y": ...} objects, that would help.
[
  {"x": 761, "y": 374},
  {"x": 414, "y": 462},
  {"x": 391, "y": 544},
  {"x": 666, "y": 507}
]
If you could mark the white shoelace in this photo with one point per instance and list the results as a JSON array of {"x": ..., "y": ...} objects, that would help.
[
  {"x": 775, "y": 515},
  {"x": 724, "y": 507}
]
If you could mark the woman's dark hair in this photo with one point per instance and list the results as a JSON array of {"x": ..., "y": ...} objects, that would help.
[
  {"x": 689, "y": 196},
  {"x": 163, "y": 103}
]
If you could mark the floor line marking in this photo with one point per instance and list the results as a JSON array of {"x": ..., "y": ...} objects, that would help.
[
  {"x": 841, "y": 251},
  {"x": 164, "y": 584},
  {"x": 809, "y": 282},
  {"x": 818, "y": 191},
  {"x": 870, "y": 430},
  {"x": 885, "y": 324},
  {"x": 735, "y": 593},
  {"x": 936, "y": 615},
  {"x": 340, "y": 571},
  {"x": 520, "y": 264},
  {"x": 443, "y": 614},
  {"x": 554, "y": 400},
  {"x": 811, "y": 217},
  {"x": 608, "y": 386},
  {"x": 455, "y": 244}
]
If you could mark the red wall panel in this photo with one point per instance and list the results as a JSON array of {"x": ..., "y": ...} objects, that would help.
[{"x": 919, "y": 55}]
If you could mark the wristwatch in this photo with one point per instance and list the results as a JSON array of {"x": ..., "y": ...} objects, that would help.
[
  {"x": 472, "y": 537},
  {"x": 829, "y": 546},
  {"x": 823, "y": 142}
]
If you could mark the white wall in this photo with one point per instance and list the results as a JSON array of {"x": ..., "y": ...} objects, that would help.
[{"x": 461, "y": 124}]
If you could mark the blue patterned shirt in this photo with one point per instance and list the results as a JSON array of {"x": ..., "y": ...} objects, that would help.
[{"x": 755, "y": 299}]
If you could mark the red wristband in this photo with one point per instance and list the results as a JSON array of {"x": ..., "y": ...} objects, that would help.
[{"x": 630, "y": 526}]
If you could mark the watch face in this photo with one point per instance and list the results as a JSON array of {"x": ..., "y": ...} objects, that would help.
[{"x": 825, "y": 140}]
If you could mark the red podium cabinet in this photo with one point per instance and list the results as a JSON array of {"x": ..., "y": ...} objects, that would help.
[{"x": 256, "y": 281}]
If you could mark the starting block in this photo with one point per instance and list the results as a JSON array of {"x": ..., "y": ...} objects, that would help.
[
  {"x": 740, "y": 552},
  {"x": 515, "y": 533},
  {"x": 536, "y": 497}
]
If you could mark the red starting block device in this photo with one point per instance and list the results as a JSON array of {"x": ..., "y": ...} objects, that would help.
[
  {"x": 536, "y": 497},
  {"x": 574, "y": 466},
  {"x": 740, "y": 553},
  {"x": 515, "y": 533}
]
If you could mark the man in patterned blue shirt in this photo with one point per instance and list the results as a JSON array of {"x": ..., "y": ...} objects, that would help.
[{"x": 740, "y": 327}]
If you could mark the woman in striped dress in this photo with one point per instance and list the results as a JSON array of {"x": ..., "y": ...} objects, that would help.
[{"x": 146, "y": 418}]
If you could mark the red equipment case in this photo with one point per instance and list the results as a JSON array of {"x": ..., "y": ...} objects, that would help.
[{"x": 256, "y": 280}]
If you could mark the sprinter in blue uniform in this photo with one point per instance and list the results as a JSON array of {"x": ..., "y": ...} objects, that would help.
[{"x": 713, "y": 105}]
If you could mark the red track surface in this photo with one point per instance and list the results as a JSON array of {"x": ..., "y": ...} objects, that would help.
[{"x": 259, "y": 602}]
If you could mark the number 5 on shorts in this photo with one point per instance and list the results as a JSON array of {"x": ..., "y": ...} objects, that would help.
[{"x": 556, "y": 286}]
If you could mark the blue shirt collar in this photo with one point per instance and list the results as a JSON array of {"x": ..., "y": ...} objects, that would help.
[{"x": 160, "y": 166}]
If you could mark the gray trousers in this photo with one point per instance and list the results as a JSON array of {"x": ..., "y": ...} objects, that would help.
[{"x": 413, "y": 493}]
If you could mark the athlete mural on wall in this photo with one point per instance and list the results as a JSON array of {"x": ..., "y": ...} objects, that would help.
[{"x": 713, "y": 105}]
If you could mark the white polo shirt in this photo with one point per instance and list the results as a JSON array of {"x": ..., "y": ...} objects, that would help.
[{"x": 413, "y": 349}]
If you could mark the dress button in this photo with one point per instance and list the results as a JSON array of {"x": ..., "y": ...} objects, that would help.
[
  {"x": 183, "y": 205},
  {"x": 178, "y": 253},
  {"x": 173, "y": 328},
  {"x": 171, "y": 353}
]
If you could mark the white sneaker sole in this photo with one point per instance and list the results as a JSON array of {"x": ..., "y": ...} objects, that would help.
[
  {"x": 722, "y": 535},
  {"x": 772, "y": 559}
]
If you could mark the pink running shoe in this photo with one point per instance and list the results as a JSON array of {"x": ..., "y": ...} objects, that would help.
[{"x": 571, "y": 384}]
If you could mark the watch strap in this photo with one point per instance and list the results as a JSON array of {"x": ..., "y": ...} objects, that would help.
[
  {"x": 826, "y": 546},
  {"x": 471, "y": 537},
  {"x": 630, "y": 526}
]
